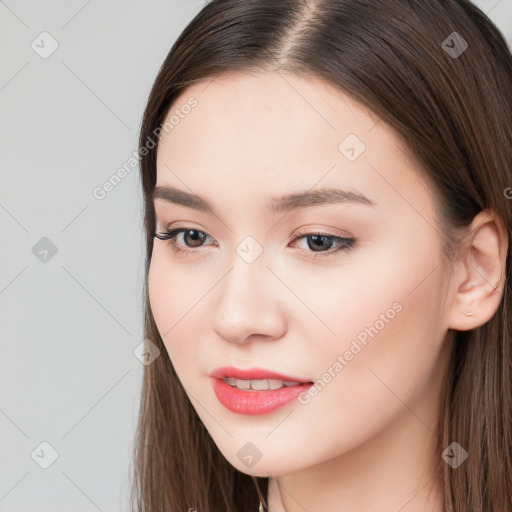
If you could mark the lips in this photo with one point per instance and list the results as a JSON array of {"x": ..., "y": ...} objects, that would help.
[
  {"x": 253, "y": 401},
  {"x": 254, "y": 374}
]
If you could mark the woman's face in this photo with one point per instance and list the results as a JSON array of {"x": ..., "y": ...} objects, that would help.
[{"x": 365, "y": 320}]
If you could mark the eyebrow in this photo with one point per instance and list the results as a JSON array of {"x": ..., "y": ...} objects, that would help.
[{"x": 295, "y": 200}]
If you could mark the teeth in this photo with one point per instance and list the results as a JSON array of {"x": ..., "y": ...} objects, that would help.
[
  {"x": 275, "y": 384},
  {"x": 259, "y": 385}
]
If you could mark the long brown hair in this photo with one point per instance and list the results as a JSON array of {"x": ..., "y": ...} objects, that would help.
[{"x": 452, "y": 107}]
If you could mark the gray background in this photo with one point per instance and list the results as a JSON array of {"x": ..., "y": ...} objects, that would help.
[{"x": 71, "y": 319}]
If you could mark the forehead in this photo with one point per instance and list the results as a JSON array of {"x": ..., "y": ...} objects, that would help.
[
  {"x": 272, "y": 111},
  {"x": 270, "y": 133}
]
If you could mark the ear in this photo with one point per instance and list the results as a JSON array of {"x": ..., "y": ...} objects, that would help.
[{"x": 479, "y": 275}]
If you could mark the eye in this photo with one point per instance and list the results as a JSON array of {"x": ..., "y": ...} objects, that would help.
[
  {"x": 190, "y": 235},
  {"x": 318, "y": 243}
]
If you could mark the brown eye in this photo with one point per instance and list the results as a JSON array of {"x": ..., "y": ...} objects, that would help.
[
  {"x": 193, "y": 237},
  {"x": 320, "y": 242}
]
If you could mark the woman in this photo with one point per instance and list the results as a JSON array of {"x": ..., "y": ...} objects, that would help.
[{"x": 327, "y": 190}]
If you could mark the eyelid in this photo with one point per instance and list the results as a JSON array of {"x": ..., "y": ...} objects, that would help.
[
  {"x": 329, "y": 231},
  {"x": 162, "y": 226}
]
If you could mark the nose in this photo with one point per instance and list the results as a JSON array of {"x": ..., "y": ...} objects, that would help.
[{"x": 248, "y": 303}]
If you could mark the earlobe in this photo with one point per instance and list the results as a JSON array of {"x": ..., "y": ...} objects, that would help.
[{"x": 480, "y": 273}]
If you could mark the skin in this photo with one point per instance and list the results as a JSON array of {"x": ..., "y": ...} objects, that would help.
[{"x": 365, "y": 442}]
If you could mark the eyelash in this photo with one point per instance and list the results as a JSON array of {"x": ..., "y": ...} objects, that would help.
[{"x": 345, "y": 243}]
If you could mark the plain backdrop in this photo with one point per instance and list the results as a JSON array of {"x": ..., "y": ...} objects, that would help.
[{"x": 74, "y": 79}]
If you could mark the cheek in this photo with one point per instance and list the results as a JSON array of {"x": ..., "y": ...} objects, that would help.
[
  {"x": 175, "y": 303},
  {"x": 170, "y": 293},
  {"x": 164, "y": 298},
  {"x": 388, "y": 335},
  {"x": 382, "y": 308},
  {"x": 381, "y": 358}
]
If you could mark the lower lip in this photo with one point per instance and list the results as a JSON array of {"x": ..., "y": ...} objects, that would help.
[{"x": 255, "y": 402}]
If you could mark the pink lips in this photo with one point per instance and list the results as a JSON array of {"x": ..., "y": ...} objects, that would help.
[{"x": 255, "y": 402}]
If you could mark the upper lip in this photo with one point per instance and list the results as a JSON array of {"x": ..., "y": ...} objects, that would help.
[{"x": 253, "y": 374}]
